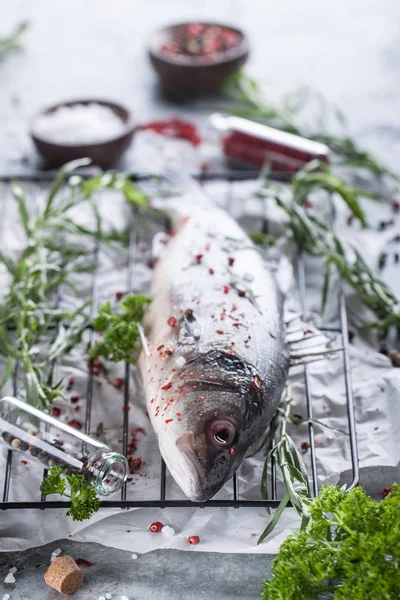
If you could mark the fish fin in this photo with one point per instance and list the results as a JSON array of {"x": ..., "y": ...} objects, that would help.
[
  {"x": 306, "y": 342},
  {"x": 143, "y": 340}
]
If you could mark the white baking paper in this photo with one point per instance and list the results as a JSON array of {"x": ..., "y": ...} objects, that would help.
[{"x": 376, "y": 389}]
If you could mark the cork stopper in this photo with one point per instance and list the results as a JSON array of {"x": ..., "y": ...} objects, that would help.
[{"x": 64, "y": 575}]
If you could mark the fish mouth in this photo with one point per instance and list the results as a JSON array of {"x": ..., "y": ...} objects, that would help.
[{"x": 196, "y": 491}]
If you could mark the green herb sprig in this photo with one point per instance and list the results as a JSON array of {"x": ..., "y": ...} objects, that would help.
[
  {"x": 316, "y": 239},
  {"x": 55, "y": 250},
  {"x": 12, "y": 42},
  {"x": 350, "y": 550},
  {"x": 293, "y": 469},
  {"x": 29, "y": 310},
  {"x": 121, "y": 332},
  {"x": 84, "y": 502}
]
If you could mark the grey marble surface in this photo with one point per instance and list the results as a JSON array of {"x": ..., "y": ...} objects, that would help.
[
  {"x": 349, "y": 50},
  {"x": 158, "y": 575}
]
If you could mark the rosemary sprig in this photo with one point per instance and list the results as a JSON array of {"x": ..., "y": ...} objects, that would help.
[
  {"x": 293, "y": 471},
  {"x": 11, "y": 42},
  {"x": 246, "y": 99},
  {"x": 316, "y": 239},
  {"x": 55, "y": 250}
]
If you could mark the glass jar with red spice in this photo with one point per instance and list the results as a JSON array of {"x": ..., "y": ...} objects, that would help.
[
  {"x": 50, "y": 442},
  {"x": 257, "y": 144}
]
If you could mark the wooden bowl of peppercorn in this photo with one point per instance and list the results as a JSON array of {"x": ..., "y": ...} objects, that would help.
[{"x": 197, "y": 58}]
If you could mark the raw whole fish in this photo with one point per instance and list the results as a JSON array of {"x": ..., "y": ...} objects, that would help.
[{"x": 216, "y": 360}]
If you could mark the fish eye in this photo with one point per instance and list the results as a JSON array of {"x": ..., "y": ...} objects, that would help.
[{"x": 221, "y": 433}]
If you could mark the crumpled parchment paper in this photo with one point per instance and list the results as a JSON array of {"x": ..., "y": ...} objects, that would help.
[{"x": 376, "y": 389}]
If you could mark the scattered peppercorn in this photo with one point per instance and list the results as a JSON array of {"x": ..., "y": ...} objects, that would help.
[
  {"x": 175, "y": 128},
  {"x": 193, "y": 539},
  {"x": 156, "y": 527},
  {"x": 71, "y": 383},
  {"x": 305, "y": 446},
  {"x": 386, "y": 491},
  {"x": 396, "y": 206},
  {"x": 231, "y": 260},
  {"x": 74, "y": 423},
  {"x": 172, "y": 321},
  {"x": 134, "y": 464},
  {"x": 118, "y": 383},
  {"x": 119, "y": 296},
  {"x": 83, "y": 562}
]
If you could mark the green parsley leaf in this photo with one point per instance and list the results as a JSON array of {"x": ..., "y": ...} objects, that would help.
[
  {"x": 84, "y": 502},
  {"x": 121, "y": 333},
  {"x": 53, "y": 484},
  {"x": 350, "y": 550}
]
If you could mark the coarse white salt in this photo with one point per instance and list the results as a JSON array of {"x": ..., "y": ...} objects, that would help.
[
  {"x": 124, "y": 598},
  {"x": 168, "y": 531},
  {"x": 102, "y": 598},
  {"x": 6, "y": 597},
  {"x": 13, "y": 570},
  {"x": 180, "y": 361},
  {"x": 80, "y": 124},
  {"x": 74, "y": 180},
  {"x": 108, "y": 596},
  {"x": 54, "y": 554},
  {"x": 9, "y": 578},
  {"x": 134, "y": 556},
  {"x": 196, "y": 333}
]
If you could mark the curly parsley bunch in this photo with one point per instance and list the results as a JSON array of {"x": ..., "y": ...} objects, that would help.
[
  {"x": 121, "y": 333},
  {"x": 350, "y": 550},
  {"x": 84, "y": 502}
]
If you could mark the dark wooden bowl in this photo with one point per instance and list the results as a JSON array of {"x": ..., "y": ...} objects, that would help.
[
  {"x": 103, "y": 154},
  {"x": 195, "y": 78}
]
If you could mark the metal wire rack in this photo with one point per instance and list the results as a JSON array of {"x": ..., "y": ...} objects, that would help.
[{"x": 162, "y": 500}]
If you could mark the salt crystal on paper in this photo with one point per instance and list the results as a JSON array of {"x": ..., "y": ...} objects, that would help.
[
  {"x": 124, "y": 598},
  {"x": 180, "y": 361},
  {"x": 54, "y": 554},
  {"x": 13, "y": 570},
  {"x": 9, "y": 578},
  {"x": 6, "y": 597},
  {"x": 102, "y": 598},
  {"x": 134, "y": 556},
  {"x": 168, "y": 531},
  {"x": 108, "y": 596},
  {"x": 196, "y": 333}
]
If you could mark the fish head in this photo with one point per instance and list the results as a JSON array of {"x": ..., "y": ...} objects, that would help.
[{"x": 218, "y": 414}]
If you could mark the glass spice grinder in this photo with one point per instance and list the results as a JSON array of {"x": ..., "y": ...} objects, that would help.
[{"x": 50, "y": 442}]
